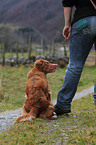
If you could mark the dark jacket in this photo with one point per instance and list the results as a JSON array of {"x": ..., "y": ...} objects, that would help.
[{"x": 84, "y": 8}]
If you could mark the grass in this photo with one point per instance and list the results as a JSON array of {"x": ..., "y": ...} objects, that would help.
[
  {"x": 20, "y": 54},
  {"x": 78, "y": 128},
  {"x": 13, "y": 82}
]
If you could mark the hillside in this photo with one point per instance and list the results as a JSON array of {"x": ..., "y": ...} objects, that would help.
[{"x": 44, "y": 17}]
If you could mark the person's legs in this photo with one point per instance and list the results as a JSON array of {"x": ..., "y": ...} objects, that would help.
[
  {"x": 95, "y": 92},
  {"x": 81, "y": 42},
  {"x": 95, "y": 78}
]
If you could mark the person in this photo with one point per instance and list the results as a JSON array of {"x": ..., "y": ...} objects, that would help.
[
  {"x": 82, "y": 33},
  {"x": 95, "y": 92},
  {"x": 94, "y": 95}
]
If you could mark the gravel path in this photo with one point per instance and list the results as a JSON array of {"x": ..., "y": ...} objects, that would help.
[{"x": 7, "y": 117}]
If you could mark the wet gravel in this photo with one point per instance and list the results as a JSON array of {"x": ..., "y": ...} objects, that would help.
[{"x": 7, "y": 117}]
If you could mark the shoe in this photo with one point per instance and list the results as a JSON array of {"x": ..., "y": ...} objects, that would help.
[
  {"x": 95, "y": 101},
  {"x": 60, "y": 111}
]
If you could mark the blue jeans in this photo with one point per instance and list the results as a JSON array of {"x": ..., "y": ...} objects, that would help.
[
  {"x": 95, "y": 78},
  {"x": 95, "y": 92},
  {"x": 82, "y": 37}
]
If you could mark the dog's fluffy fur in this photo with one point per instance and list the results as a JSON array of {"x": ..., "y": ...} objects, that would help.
[{"x": 38, "y": 103}]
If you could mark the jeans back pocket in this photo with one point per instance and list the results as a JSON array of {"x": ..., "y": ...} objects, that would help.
[{"x": 81, "y": 24}]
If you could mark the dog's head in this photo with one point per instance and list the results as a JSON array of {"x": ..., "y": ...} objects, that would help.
[{"x": 45, "y": 66}]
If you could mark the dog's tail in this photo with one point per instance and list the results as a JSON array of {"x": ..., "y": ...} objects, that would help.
[{"x": 24, "y": 118}]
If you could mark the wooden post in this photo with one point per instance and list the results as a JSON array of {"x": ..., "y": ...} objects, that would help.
[
  {"x": 3, "y": 54},
  {"x": 42, "y": 45},
  {"x": 36, "y": 51},
  {"x": 50, "y": 48},
  {"x": 53, "y": 47},
  {"x": 17, "y": 52},
  {"x": 65, "y": 52},
  {"x": 30, "y": 44},
  {"x": 11, "y": 55},
  {"x": 22, "y": 51},
  {"x": 0, "y": 51}
]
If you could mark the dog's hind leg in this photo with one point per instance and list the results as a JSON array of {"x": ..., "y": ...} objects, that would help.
[
  {"x": 24, "y": 111},
  {"x": 25, "y": 116},
  {"x": 34, "y": 111},
  {"x": 48, "y": 112}
]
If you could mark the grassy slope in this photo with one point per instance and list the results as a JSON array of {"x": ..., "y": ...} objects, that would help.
[
  {"x": 78, "y": 128},
  {"x": 13, "y": 81}
]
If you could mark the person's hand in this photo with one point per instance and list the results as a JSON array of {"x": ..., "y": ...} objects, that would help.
[{"x": 67, "y": 32}]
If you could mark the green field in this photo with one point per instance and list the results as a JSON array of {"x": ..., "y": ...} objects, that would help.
[
  {"x": 13, "y": 82},
  {"x": 77, "y": 128}
]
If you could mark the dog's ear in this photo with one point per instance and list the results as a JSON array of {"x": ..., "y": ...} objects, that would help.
[{"x": 39, "y": 63}]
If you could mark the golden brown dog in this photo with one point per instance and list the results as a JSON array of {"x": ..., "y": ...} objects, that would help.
[{"x": 38, "y": 103}]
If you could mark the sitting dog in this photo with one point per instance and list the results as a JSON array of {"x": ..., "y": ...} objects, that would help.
[{"x": 38, "y": 103}]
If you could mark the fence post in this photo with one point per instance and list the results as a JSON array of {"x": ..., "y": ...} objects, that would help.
[
  {"x": 50, "y": 48},
  {"x": 36, "y": 51},
  {"x": 0, "y": 51},
  {"x": 17, "y": 52},
  {"x": 11, "y": 53},
  {"x": 22, "y": 51},
  {"x": 53, "y": 47},
  {"x": 3, "y": 54},
  {"x": 30, "y": 44},
  {"x": 42, "y": 45},
  {"x": 65, "y": 52}
]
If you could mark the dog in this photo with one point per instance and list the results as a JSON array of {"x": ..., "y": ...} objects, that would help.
[{"x": 38, "y": 103}]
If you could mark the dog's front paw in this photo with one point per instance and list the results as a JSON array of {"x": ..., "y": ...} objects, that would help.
[{"x": 54, "y": 116}]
